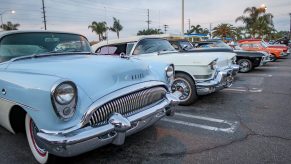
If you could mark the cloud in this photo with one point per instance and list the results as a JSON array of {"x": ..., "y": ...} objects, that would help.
[{"x": 76, "y": 15}]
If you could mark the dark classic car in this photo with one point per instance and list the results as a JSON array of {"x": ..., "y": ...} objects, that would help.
[{"x": 247, "y": 60}]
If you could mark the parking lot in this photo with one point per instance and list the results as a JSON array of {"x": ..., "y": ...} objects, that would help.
[{"x": 247, "y": 123}]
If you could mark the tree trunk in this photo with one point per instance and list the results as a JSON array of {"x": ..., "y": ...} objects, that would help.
[
  {"x": 117, "y": 32},
  {"x": 99, "y": 35}
]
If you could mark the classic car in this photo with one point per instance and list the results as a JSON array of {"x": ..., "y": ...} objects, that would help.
[
  {"x": 196, "y": 74},
  {"x": 69, "y": 101},
  {"x": 259, "y": 45},
  {"x": 276, "y": 45},
  {"x": 247, "y": 60}
]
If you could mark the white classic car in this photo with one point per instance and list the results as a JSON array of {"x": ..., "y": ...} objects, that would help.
[{"x": 197, "y": 73}]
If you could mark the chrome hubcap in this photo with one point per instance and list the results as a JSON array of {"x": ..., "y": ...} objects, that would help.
[
  {"x": 244, "y": 66},
  {"x": 182, "y": 86}
]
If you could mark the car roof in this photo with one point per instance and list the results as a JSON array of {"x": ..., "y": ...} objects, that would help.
[{"x": 4, "y": 33}]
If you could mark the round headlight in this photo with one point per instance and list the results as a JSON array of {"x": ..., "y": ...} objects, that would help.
[
  {"x": 65, "y": 93},
  {"x": 170, "y": 71},
  {"x": 64, "y": 99}
]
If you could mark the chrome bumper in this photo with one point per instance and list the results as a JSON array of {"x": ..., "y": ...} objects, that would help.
[
  {"x": 235, "y": 69},
  {"x": 283, "y": 54},
  {"x": 223, "y": 79},
  {"x": 118, "y": 127},
  {"x": 265, "y": 60}
]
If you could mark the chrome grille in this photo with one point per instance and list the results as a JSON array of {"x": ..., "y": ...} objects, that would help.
[{"x": 127, "y": 104}]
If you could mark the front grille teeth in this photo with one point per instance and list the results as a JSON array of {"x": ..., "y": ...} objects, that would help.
[{"x": 127, "y": 104}]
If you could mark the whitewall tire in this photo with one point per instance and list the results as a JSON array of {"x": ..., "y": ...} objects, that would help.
[{"x": 39, "y": 154}]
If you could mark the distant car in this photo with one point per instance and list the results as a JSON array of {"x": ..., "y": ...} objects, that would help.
[
  {"x": 69, "y": 101},
  {"x": 259, "y": 45},
  {"x": 197, "y": 73},
  {"x": 246, "y": 60}
]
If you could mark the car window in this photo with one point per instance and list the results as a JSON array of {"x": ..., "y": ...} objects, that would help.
[
  {"x": 112, "y": 49},
  {"x": 175, "y": 45},
  {"x": 244, "y": 45},
  {"x": 214, "y": 44},
  {"x": 146, "y": 46},
  {"x": 256, "y": 45},
  {"x": 24, "y": 44},
  {"x": 129, "y": 48},
  {"x": 186, "y": 44},
  {"x": 107, "y": 50}
]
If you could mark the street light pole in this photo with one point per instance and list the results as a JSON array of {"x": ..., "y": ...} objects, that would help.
[
  {"x": 290, "y": 27},
  {"x": 182, "y": 30}
]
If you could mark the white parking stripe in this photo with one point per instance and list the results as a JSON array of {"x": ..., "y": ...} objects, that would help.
[
  {"x": 253, "y": 90},
  {"x": 257, "y": 75},
  {"x": 231, "y": 129},
  {"x": 202, "y": 118},
  {"x": 206, "y": 127},
  {"x": 239, "y": 90}
]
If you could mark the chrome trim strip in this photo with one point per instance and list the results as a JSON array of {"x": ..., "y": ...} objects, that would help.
[{"x": 20, "y": 104}]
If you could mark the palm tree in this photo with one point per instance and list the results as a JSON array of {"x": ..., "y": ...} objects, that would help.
[
  {"x": 117, "y": 27},
  {"x": 256, "y": 21},
  {"x": 99, "y": 28},
  {"x": 196, "y": 29},
  {"x": 224, "y": 30},
  {"x": 9, "y": 26},
  {"x": 150, "y": 31},
  {"x": 239, "y": 33}
]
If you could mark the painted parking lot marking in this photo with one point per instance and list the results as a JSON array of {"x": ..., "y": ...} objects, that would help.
[
  {"x": 244, "y": 89},
  {"x": 231, "y": 125},
  {"x": 257, "y": 75}
]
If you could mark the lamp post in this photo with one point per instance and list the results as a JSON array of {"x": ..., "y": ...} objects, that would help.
[
  {"x": 3, "y": 12},
  {"x": 182, "y": 23},
  {"x": 290, "y": 27}
]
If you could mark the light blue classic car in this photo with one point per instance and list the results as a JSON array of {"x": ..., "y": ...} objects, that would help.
[{"x": 69, "y": 101}]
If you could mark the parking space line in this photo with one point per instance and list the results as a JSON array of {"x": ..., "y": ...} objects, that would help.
[
  {"x": 232, "y": 89},
  {"x": 252, "y": 90},
  {"x": 231, "y": 129},
  {"x": 257, "y": 75}
]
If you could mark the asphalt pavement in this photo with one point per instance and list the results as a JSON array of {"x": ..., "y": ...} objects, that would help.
[{"x": 247, "y": 123}]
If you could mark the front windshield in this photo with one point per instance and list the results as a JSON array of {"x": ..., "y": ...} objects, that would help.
[
  {"x": 264, "y": 44},
  {"x": 215, "y": 44},
  {"x": 186, "y": 44},
  {"x": 24, "y": 44},
  {"x": 146, "y": 46}
]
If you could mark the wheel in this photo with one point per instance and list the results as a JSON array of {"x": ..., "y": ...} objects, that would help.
[
  {"x": 245, "y": 65},
  {"x": 186, "y": 86},
  {"x": 41, "y": 155},
  {"x": 273, "y": 57}
]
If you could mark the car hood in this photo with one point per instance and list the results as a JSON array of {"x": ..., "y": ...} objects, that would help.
[{"x": 96, "y": 75}]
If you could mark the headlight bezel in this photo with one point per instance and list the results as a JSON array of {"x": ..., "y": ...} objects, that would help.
[
  {"x": 213, "y": 65},
  {"x": 233, "y": 60},
  {"x": 59, "y": 107},
  {"x": 170, "y": 73}
]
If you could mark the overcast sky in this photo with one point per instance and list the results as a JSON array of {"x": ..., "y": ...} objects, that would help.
[{"x": 76, "y": 15}]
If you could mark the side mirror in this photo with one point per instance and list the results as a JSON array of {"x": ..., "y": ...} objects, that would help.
[{"x": 123, "y": 55}]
